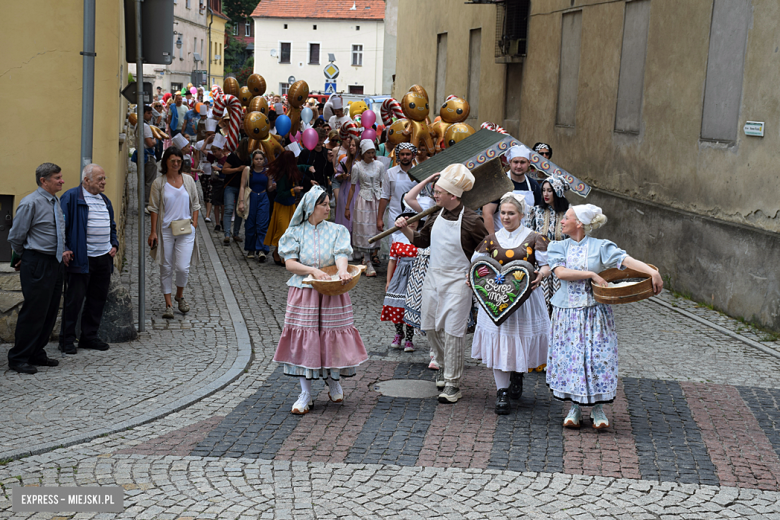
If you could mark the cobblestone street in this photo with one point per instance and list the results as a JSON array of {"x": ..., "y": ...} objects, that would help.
[{"x": 193, "y": 419}]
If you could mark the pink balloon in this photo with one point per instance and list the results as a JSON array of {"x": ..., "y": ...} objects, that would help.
[
  {"x": 368, "y": 118},
  {"x": 194, "y": 91},
  {"x": 369, "y": 134},
  {"x": 310, "y": 138},
  {"x": 296, "y": 137}
]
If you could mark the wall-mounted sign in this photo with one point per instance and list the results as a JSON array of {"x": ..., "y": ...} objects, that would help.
[
  {"x": 755, "y": 128},
  {"x": 331, "y": 71},
  {"x": 330, "y": 88}
]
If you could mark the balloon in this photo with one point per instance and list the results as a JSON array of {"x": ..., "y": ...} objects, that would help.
[
  {"x": 231, "y": 86},
  {"x": 256, "y": 125},
  {"x": 310, "y": 138},
  {"x": 369, "y": 134},
  {"x": 256, "y": 83},
  {"x": 306, "y": 115},
  {"x": 193, "y": 91},
  {"x": 296, "y": 137},
  {"x": 244, "y": 96},
  {"x": 283, "y": 125},
  {"x": 368, "y": 118}
]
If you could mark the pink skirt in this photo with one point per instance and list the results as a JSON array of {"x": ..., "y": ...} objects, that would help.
[{"x": 319, "y": 338}]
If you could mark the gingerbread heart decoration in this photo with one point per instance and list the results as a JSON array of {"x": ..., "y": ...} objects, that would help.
[{"x": 500, "y": 289}]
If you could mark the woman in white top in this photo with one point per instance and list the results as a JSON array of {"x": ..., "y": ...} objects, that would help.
[
  {"x": 174, "y": 206},
  {"x": 368, "y": 172}
]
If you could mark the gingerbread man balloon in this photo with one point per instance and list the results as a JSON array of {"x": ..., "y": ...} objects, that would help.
[
  {"x": 296, "y": 96},
  {"x": 258, "y": 128},
  {"x": 415, "y": 107},
  {"x": 454, "y": 110}
]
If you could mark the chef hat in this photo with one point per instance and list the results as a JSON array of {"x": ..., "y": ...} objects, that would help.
[
  {"x": 337, "y": 102},
  {"x": 366, "y": 145},
  {"x": 219, "y": 141},
  {"x": 180, "y": 141},
  {"x": 203, "y": 109},
  {"x": 456, "y": 179},
  {"x": 518, "y": 151},
  {"x": 587, "y": 213},
  {"x": 211, "y": 125}
]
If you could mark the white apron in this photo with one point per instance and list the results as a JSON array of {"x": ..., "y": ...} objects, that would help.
[{"x": 446, "y": 299}]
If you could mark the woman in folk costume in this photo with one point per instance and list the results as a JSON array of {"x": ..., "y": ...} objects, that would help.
[
  {"x": 368, "y": 172},
  {"x": 453, "y": 235},
  {"x": 546, "y": 220},
  {"x": 319, "y": 339},
  {"x": 582, "y": 359},
  {"x": 520, "y": 343}
]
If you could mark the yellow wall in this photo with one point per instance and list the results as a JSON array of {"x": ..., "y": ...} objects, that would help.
[
  {"x": 419, "y": 24},
  {"x": 218, "y": 37},
  {"x": 40, "y": 93}
]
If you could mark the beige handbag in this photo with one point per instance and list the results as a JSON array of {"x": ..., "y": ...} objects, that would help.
[
  {"x": 247, "y": 194},
  {"x": 181, "y": 227}
]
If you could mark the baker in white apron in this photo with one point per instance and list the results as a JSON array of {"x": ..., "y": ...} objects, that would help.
[
  {"x": 452, "y": 235},
  {"x": 519, "y": 157}
]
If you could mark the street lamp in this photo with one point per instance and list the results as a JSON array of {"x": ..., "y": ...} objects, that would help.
[{"x": 179, "y": 43}]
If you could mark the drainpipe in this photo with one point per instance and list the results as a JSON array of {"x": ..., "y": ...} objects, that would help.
[
  {"x": 211, "y": 12},
  {"x": 87, "y": 84},
  {"x": 140, "y": 159}
]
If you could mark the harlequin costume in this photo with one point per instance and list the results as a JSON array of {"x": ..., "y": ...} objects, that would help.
[
  {"x": 404, "y": 255},
  {"x": 519, "y": 344}
]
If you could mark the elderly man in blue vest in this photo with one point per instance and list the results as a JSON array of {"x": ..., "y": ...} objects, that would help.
[{"x": 90, "y": 232}]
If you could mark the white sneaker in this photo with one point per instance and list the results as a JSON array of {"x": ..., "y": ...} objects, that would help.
[
  {"x": 302, "y": 405},
  {"x": 575, "y": 416},
  {"x": 370, "y": 272},
  {"x": 335, "y": 392},
  {"x": 598, "y": 417}
]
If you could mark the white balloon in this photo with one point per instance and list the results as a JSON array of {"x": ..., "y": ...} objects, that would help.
[{"x": 306, "y": 114}]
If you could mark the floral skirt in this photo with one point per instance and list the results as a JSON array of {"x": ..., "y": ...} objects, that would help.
[
  {"x": 364, "y": 225},
  {"x": 517, "y": 345},
  {"x": 413, "y": 301},
  {"x": 393, "y": 307},
  {"x": 319, "y": 338},
  {"x": 582, "y": 360}
]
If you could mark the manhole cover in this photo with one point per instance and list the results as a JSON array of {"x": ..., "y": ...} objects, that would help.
[{"x": 407, "y": 388}]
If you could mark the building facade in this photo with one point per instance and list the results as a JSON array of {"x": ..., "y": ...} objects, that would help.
[
  {"x": 655, "y": 103},
  {"x": 293, "y": 38},
  {"x": 41, "y": 81}
]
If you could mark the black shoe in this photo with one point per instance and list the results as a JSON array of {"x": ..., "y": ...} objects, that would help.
[
  {"x": 68, "y": 349},
  {"x": 94, "y": 344},
  {"x": 217, "y": 228},
  {"x": 226, "y": 241},
  {"x": 450, "y": 395},
  {"x": 48, "y": 362},
  {"x": 502, "y": 402},
  {"x": 515, "y": 385},
  {"x": 24, "y": 368}
]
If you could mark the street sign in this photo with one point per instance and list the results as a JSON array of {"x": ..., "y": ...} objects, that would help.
[
  {"x": 130, "y": 93},
  {"x": 330, "y": 88},
  {"x": 291, "y": 80},
  {"x": 331, "y": 71},
  {"x": 755, "y": 128}
]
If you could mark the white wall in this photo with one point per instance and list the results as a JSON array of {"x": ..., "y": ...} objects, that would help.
[{"x": 334, "y": 36}]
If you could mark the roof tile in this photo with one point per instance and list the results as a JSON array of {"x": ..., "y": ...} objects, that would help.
[{"x": 333, "y": 9}]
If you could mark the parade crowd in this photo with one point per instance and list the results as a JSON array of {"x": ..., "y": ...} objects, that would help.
[{"x": 312, "y": 181}]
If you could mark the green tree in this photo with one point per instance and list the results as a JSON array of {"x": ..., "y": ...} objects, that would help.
[{"x": 238, "y": 9}]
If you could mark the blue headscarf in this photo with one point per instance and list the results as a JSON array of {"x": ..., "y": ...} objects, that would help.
[{"x": 306, "y": 207}]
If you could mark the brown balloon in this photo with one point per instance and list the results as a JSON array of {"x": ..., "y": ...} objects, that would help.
[
  {"x": 256, "y": 84},
  {"x": 133, "y": 118},
  {"x": 456, "y": 133},
  {"x": 258, "y": 104},
  {"x": 418, "y": 89},
  {"x": 298, "y": 93},
  {"x": 395, "y": 132},
  {"x": 455, "y": 110},
  {"x": 245, "y": 96},
  {"x": 231, "y": 86},
  {"x": 257, "y": 126}
]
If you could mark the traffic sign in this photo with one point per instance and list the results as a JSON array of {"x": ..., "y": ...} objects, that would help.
[
  {"x": 330, "y": 88},
  {"x": 331, "y": 71},
  {"x": 291, "y": 80},
  {"x": 130, "y": 92}
]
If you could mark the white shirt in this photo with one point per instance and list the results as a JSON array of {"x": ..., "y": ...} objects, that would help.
[
  {"x": 336, "y": 122},
  {"x": 98, "y": 225},
  {"x": 398, "y": 183},
  {"x": 176, "y": 202},
  {"x": 148, "y": 132}
]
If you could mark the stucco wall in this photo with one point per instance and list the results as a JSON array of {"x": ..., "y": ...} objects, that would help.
[
  {"x": 666, "y": 161},
  {"x": 334, "y": 36},
  {"x": 419, "y": 24},
  {"x": 40, "y": 92}
]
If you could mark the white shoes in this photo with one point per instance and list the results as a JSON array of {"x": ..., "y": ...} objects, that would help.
[
  {"x": 575, "y": 416},
  {"x": 335, "y": 392},
  {"x": 598, "y": 417},
  {"x": 370, "y": 271},
  {"x": 303, "y": 404}
]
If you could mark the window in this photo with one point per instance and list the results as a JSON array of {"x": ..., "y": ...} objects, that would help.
[
  {"x": 283, "y": 88},
  {"x": 235, "y": 29},
  {"x": 248, "y": 28},
  {"x": 314, "y": 54},
  {"x": 188, "y": 4},
  {"x": 202, "y": 57},
  {"x": 284, "y": 53},
  {"x": 357, "y": 55},
  {"x": 475, "y": 50},
  {"x": 314, "y": 27},
  {"x": 725, "y": 68},
  {"x": 569, "y": 72},
  {"x": 356, "y": 89},
  {"x": 176, "y": 87},
  {"x": 357, "y": 27},
  {"x": 628, "y": 114},
  {"x": 441, "y": 69},
  {"x": 285, "y": 26}
]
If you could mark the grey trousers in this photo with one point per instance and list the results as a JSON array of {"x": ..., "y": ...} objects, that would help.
[
  {"x": 150, "y": 174},
  {"x": 449, "y": 353}
]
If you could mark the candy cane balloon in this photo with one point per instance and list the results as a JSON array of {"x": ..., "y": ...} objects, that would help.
[
  {"x": 350, "y": 129},
  {"x": 233, "y": 106},
  {"x": 493, "y": 127},
  {"x": 391, "y": 108}
]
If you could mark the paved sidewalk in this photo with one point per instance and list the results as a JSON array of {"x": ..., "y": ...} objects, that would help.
[{"x": 694, "y": 430}]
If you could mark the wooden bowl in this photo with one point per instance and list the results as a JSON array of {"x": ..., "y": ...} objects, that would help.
[
  {"x": 334, "y": 287},
  {"x": 627, "y": 294}
]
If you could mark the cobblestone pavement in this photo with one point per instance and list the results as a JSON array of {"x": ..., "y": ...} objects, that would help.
[{"x": 694, "y": 426}]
